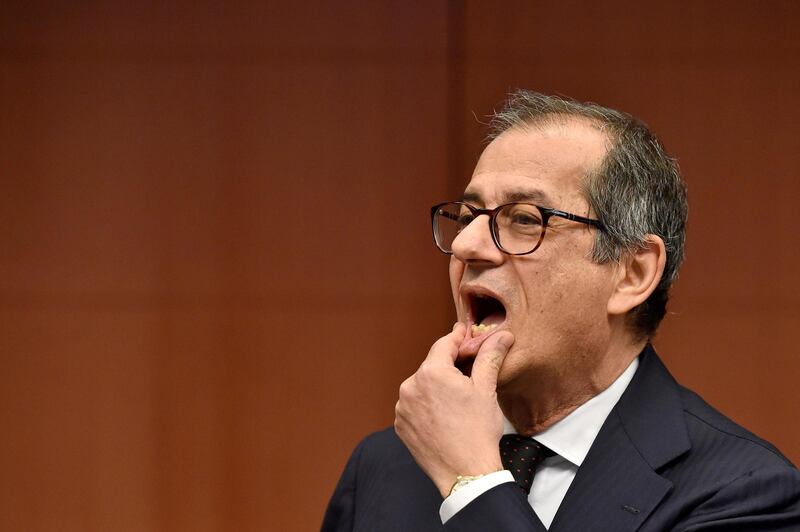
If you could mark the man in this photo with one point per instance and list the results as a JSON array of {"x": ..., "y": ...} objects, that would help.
[{"x": 546, "y": 407}]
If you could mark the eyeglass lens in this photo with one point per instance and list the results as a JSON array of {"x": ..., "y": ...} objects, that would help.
[{"x": 518, "y": 226}]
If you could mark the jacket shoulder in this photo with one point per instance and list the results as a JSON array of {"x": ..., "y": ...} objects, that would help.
[
  {"x": 722, "y": 440},
  {"x": 383, "y": 459},
  {"x": 383, "y": 446}
]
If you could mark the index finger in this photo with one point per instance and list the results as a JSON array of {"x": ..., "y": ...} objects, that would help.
[{"x": 445, "y": 350}]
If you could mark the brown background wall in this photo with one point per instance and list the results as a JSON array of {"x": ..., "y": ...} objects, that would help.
[{"x": 215, "y": 265}]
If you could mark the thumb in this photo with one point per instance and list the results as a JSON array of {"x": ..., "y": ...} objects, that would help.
[{"x": 490, "y": 358}]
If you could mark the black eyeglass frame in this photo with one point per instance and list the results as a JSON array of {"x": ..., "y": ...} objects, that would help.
[{"x": 492, "y": 214}]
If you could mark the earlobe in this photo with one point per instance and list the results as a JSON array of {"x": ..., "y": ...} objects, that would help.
[{"x": 638, "y": 276}]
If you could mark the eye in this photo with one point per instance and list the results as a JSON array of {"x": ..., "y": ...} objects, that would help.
[
  {"x": 518, "y": 220},
  {"x": 465, "y": 217},
  {"x": 525, "y": 219},
  {"x": 522, "y": 216}
]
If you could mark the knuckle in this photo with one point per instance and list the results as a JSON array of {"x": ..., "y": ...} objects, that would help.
[
  {"x": 424, "y": 370},
  {"x": 493, "y": 359},
  {"x": 427, "y": 371},
  {"x": 399, "y": 412},
  {"x": 406, "y": 389}
]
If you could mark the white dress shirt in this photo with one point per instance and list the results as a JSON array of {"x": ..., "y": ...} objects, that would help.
[{"x": 570, "y": 438}]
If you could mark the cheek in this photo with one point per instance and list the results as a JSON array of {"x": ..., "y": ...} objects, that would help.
[
  {"x": 456, "y": 270},
  {"x": 561, "y": 303},
  {"x": 456, "y": 273}
]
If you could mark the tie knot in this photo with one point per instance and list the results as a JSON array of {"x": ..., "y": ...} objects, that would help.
[{"x": 521, "y": 455}]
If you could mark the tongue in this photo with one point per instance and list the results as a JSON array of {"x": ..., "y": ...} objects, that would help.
[{"x": 493, "y": 319}]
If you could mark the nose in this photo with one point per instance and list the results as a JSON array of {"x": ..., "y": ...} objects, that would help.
[{"x": 474, "y": 244}]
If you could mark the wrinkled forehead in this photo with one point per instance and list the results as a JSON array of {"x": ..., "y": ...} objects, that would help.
[{"x": 544, "y": 164}]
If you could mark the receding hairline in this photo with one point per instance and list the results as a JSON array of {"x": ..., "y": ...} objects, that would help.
[
  {"x": 524, "y": 106},
  {"x": 541, "y": 122}
]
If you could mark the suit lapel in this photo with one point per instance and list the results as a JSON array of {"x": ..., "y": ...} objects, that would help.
[
  {"x": 617, "y": 486},
  {"x": 615, "y": 489}
]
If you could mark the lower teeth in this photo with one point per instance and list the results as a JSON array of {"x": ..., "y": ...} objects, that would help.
[{"x": 481, "y": 328}]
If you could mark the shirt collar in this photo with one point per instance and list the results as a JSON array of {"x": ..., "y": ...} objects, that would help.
[{"x": 572, "y": 436}]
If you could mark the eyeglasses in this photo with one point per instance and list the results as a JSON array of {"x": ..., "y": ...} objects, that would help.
[{"x": 517, "y": 228}]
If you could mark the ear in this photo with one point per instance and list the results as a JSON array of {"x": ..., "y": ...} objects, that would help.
[{"x": 638, "y": 275}]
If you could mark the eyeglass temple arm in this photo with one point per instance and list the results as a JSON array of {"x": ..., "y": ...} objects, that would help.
[
  {"x": 455, "y": 217},
  {"x": 575, "y": 218},
  {"x": 551, "y": 212}
]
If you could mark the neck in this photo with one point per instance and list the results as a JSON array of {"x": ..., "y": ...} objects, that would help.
[{"x": 553, "y": 393}]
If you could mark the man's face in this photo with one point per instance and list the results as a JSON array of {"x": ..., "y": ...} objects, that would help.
[{"x": 553, "y": 300}]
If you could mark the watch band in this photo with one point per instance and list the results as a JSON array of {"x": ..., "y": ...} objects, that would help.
[{"x": 463, "y": 480}]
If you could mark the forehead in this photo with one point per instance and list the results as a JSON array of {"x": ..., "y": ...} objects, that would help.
[{"x": 545, "y": 164}]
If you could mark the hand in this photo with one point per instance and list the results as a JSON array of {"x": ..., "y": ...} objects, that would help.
[{"x": 452, "y": 423}]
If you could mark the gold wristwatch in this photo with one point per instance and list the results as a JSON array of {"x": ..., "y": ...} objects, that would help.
[{"x": 463, "y": 480}]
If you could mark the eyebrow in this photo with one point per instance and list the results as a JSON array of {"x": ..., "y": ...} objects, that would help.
[{"x": 533, "y": 196}]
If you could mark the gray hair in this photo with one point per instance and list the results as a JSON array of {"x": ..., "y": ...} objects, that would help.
[{"x": 637, "y": 189}]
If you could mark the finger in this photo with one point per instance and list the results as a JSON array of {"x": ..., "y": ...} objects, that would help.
[
  {"x": 445, "y": 349},
  {"x": 490, "y": 359}
]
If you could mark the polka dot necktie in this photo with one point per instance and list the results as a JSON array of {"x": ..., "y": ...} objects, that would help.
[{"x": 521, "y": 455}]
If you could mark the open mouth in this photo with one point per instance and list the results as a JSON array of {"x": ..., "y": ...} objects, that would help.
[{"x": 486, "y": 314}]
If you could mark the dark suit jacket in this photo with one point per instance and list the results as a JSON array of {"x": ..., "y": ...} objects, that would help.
[{"x": 663, "y": 460}]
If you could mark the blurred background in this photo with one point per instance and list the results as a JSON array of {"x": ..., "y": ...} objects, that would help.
[{"x": 215, "y": 256}]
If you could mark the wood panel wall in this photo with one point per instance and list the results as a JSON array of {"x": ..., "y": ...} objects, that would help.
[{"x": 215, "y": 261}]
